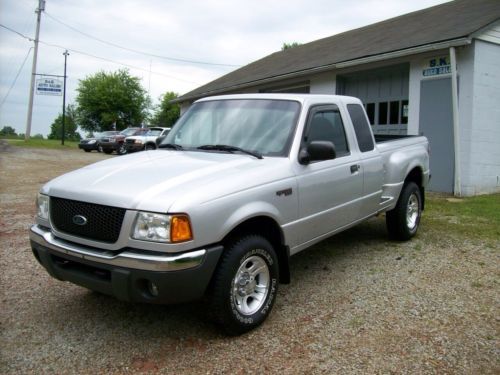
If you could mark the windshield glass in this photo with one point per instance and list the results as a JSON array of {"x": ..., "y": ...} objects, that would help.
[
  {"x": 154, "y": 132},
  {"x": 261, "y": 125},
  {"x": 107, "y": 134},
  {"x": 128, "y": 131}
]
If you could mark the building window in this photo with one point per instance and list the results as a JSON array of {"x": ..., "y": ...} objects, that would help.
[
  {"x": 394, "y": 113},
  {"x": 370, "y": 111},
  {"x": 404, "y": 112},
  {"x": 382, "y": 113}
]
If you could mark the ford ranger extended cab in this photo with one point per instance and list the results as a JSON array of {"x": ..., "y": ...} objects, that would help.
[{"x": 240, "y": 184}]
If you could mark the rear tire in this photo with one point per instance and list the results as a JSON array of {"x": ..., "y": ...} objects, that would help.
[
  {"x": 244, "y": 285},
  {"x": 403, "y": 221}
]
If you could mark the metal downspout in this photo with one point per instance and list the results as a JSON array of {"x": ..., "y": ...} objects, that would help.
[{"x": 456, "y": 131}]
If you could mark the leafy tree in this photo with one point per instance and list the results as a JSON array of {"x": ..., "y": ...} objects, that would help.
[
  {"x": 289, "y": 45},
  {"x": 166, "y": 113},
  {"x": 8, "y": 130},
  {"x": 105, "y": 99},
  {"x": 70, "y": 126}
]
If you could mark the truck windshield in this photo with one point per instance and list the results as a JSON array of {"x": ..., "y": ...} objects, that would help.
[{"x": 262, "y": 126}]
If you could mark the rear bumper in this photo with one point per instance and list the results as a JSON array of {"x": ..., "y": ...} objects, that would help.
[{"x": 127, "y": 274}]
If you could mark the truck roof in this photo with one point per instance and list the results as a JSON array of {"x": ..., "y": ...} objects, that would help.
[{"x": 302, "y": 98}]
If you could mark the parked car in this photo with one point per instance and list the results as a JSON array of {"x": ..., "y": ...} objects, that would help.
[
  {"x": 146, "y": 141},
  {"x": 221, "y": 209},
  {"x": 93, "y": 143},
  {"x": 117, "y": 142}
]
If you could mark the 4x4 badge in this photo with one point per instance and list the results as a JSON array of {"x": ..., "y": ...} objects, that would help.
[{"x": 79, "y": 220}]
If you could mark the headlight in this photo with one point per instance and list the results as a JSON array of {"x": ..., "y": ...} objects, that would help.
[
  {"x": 150, "y": 226},
  {"x": 138, "y": 141},
  {"x": 91, "y": 142},
  {"x": 42, "y": 205}
]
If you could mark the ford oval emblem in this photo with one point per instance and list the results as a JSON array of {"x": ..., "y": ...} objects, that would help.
[{"x": 79, "y": 220}]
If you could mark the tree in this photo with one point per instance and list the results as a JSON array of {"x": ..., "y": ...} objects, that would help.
[
  {"x": 8, "y": 130},
  {"x": 289, "y": 45},
  {"x": 108, "y": 99},
  {"x": 166, "y": 113},
  {"x": 70, "y": 126}
]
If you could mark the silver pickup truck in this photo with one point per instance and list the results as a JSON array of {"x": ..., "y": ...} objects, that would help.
[{"x": 240, "y": 184}]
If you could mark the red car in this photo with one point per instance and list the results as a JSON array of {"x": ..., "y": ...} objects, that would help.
[{"x": 117, "y": 142}]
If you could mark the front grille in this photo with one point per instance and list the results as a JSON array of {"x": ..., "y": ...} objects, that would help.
[
  {"x": 103, "y": 223},
  {"x": 130, "y": 141}
]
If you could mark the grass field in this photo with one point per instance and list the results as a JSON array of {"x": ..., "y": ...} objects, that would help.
[{"x": 43, "y": 143}]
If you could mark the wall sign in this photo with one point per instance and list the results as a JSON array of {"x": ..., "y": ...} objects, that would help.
[
  {"x": 49, "y": 86},
  {"x": 437, "y": 66}
]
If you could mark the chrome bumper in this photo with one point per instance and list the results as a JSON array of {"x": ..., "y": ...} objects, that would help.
[{"x": 127, "y": 259}]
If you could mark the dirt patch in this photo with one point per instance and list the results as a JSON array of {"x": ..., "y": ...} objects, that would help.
[{"x": 357, "y": 303}]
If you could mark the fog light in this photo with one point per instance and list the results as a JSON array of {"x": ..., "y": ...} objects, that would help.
[{"x": 153, "y": 289}]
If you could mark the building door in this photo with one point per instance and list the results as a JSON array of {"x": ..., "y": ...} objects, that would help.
[
  {"x": 436, "y": 123},
  {"x": 384, "y": 93}
]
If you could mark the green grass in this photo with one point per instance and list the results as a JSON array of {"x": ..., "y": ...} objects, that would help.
[
  {"x": 43, "y": 143},
  {"x": 474, "y": 217}
]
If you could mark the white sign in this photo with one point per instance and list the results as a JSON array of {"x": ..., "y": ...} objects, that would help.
[
  {"x": 49, "y": 86},
  {"x": 437, "y": 66}
]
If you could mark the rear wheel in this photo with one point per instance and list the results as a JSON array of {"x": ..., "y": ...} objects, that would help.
[
  {"x": 403, "y": 221},
  {"x": 245, "y": 284}
]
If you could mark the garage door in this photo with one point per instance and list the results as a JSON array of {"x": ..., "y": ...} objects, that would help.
[{"x": 384, "y": 92}]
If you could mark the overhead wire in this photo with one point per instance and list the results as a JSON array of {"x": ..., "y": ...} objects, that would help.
[
  {"x": 97, "y": 57},
  {"x": 15, "y": 79},
  {"x": 137, "y": 51}
]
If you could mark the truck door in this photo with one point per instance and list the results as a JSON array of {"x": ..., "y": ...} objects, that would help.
[{"x": 329, "y": 190}]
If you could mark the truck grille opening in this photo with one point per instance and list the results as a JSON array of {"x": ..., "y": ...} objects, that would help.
[{"x": 88, "y": 220}]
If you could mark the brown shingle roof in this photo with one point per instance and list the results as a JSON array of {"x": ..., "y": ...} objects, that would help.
[{"x": 449, "y": 21}]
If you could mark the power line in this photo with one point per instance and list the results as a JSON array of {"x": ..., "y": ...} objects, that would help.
[
  {"x": 15, "y": 79},
  {"x": 98, "y": 57},
  {"x": 137, "y": 51}
]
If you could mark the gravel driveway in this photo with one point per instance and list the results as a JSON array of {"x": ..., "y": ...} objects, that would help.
[{"x": 358, "y": 303}]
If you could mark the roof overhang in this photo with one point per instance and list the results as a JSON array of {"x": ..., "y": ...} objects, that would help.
[{"x": 338, "y": 65}]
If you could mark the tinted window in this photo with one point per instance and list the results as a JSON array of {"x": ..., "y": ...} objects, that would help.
[
  {"x": 326, "y": 125},
  {"x": 370, "y": 111},
  {"x": 361, "y": 127},
  {"x": 382, "y": 113}
]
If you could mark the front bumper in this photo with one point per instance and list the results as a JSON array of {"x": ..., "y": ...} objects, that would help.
[
  {"x": 126, "y": 274},
  {"x": 87, "y": 146},
  {"x": 131, "y": 147}
]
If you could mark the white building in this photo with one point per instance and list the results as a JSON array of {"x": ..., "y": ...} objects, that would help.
[{"x": 434, "y": 72}]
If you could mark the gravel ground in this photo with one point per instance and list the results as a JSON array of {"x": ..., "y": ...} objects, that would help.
[{"x": 358, "y": 303}]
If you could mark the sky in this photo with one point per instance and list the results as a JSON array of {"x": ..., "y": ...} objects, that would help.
[{"x": 170, "y": 45}]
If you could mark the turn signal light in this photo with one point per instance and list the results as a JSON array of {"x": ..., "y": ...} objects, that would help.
[{"x": 180, "y": 229}]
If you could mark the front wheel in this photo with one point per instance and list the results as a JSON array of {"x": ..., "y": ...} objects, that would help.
[
  {"x": 149, "y": 146},
  {"x": 403, "y": 221},
  {"x": 245, "y": 284},
  {"x": 122, "y": 150}
]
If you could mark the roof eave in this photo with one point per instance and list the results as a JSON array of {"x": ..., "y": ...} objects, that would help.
[{"x": 339, "y": 65}]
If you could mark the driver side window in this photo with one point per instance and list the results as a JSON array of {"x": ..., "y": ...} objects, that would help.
[{"x": 327, "y": 125}]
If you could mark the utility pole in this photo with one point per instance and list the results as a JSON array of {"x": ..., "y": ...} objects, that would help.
[
  {"x": 39, "y": 10},
  {"x": 66, "y": 54}
]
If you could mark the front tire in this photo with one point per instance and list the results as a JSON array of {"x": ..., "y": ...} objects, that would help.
[
  {"x": 403, "y": 221},
  {"x": 244, "y": 285},
  {"x": 122, "y": 150},
  {"x": 86, "y": 150}
]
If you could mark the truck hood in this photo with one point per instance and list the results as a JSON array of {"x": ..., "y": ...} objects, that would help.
[{"x": 154, "y": 180}]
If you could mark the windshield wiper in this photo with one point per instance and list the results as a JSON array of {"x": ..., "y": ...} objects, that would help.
[
  {"x": 172, "y": 146},
  {"x": 230, "y": 149}
]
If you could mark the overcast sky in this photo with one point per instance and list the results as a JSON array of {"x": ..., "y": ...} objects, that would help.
[{"x": 231, "y": 33}]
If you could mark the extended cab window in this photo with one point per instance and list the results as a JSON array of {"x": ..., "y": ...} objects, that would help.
[
  {"x": 361, "y": 127},
  {"x": 326, "y": 125}
]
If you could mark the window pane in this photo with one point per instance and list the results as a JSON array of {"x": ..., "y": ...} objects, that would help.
[
  {"x": 394, "y": 113},
  {"x": 404, "y": 112},
  {"x": 382, "y": 113},
  {"x": 361, "y": 127},
  {"x": 370, "y": 111},
  {"x": 328, "y": 126}
]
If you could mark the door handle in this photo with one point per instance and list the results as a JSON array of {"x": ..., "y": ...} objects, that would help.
[{"x": 355, "y": 168}]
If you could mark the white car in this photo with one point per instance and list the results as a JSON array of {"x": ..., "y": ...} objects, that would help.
[{"x": 146, "y": 141}]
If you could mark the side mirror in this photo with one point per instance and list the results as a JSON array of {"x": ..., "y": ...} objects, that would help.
[
  {"x": 160, "y": 139},
  {"x": 316, "y": 151}
]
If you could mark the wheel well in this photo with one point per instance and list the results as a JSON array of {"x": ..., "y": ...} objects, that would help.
[
  {"x": 416, "y": 176},
  {"x": 269, "y": 229}
]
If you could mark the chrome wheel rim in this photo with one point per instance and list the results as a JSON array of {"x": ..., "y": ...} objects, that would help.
[
  {"x": 412, "y": 212},
  {"x": 251, "y": 285}
]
